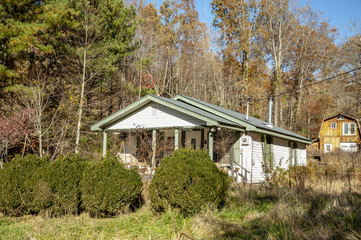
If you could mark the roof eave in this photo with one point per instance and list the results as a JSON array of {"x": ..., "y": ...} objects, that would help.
[
  {"x": 284, "y": 136},
  {"x": 109, "y": 120},
  {"x": 244, "y": 124},
  {"x": 102, "y": 124}
]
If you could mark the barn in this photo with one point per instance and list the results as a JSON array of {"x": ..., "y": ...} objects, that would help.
[
  {"x": 247, "y": 146},
  {"x": 339, "y": 132}
]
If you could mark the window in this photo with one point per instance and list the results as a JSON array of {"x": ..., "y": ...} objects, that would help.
[
  {"x": 333, "y": 125},
  {"x": 328, "y": 147},
  {"x": 340, "y": 117},
  {"x": 349, "y": 129}
]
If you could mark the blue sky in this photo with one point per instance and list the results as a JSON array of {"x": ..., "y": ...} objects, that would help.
[{"x": 338, "y": 13}]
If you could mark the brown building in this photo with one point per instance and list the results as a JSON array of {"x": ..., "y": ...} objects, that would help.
[{"x": 339, "y": 132}]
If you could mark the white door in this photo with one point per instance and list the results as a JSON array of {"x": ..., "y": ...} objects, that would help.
[{"x": 350, "y": 147}]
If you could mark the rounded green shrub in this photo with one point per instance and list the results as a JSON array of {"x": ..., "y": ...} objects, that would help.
[
  {"x": 109, "y": 188},
  {"x": 20, "y": 182},
  {"x": 189, "y": 181},
  {"x": 64, "y": 176}
]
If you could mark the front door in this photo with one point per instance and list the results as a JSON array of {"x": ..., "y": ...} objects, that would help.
[{"x": 193, "y": 139}]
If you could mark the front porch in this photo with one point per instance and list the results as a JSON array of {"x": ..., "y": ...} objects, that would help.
[
  {"x": 143, "y": 149},
  {"x": 153, "y": 127},
  {"x": 148, "y": 146}
]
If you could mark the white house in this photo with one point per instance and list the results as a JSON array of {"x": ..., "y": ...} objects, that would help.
[{"x": 183, "y": 121}]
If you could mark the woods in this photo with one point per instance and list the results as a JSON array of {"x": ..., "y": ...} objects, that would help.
[{"x": 64, "y": 65}]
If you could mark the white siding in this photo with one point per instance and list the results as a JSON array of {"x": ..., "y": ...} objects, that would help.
[
  {"x": 257, "y": 158},
  {"x": 301, "y": 154},
  {"x": 252, "y": 155},
  {"x": 149, "y": 117},
  {"x": 246, "y": 156},
  {"x": 281, "y": 153}
]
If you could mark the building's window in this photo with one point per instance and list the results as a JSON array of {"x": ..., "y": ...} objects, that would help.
[
  {"x": 333, "y": 125},
  {"x": 340, "y": 117},
  {"x": 353, "y": 132},
  {"x": 328, "y": 147},
  {"x": 349, "y": 129}
]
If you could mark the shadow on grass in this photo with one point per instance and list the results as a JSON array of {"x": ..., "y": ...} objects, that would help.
[{"x": 288, "y": 214}]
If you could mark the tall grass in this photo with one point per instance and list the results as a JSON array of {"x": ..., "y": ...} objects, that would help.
[{"x": 321, "y": 207}]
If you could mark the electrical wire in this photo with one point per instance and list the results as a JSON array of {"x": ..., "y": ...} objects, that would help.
[{"x": 308, "y": 85}]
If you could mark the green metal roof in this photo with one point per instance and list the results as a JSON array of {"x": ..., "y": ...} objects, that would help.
[
  {"x": 252, "y": 124},
  {"x": 210, "y": 119},
  {"x": 193, "y": 109},
  {"x": 211, "y": 114}
]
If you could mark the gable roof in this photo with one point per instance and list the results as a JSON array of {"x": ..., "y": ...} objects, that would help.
[
  {"x": 210, "y": 119},
  {"x": 252, "y": 124},
  {"x": 211, "y": 114},
  {"x": 340, "y": 114}
]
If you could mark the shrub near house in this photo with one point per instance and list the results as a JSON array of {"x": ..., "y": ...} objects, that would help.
[
  {"x": 19, "y": 185},
  {"x": 109, "y": 188},
  {"x": 69, "y": 185},
  {"x": 188, "y": 181}
]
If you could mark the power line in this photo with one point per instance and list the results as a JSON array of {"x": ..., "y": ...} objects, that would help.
[{"x": 308, "y": 85}]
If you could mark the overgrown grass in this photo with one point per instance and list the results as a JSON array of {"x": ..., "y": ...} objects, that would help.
[
  {"x": 323, "y": 208},
  {"x": 282, "y": 213}
]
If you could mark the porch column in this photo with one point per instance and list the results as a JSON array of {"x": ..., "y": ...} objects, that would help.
[
  {"x": 210, "y": 143},
  {"x": 176, "y": 139},
  {"x": 105, "y": 139},
  {"x": 154, "y": 146}
]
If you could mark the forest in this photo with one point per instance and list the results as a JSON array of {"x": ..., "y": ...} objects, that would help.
[{"x": 66, "y": 64}]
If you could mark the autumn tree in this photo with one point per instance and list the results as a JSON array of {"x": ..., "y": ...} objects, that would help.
[
  {"x": 91, "y": 38},
  {"x": 14, "y": 131}
]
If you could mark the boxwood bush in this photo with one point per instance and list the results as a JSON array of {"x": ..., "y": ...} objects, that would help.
[
  {"x": 189, "y": 181},
  {"x": 64, "y": 176},
  {"x": 109, "y": 188},
  {"x": 20, "y": 181}
]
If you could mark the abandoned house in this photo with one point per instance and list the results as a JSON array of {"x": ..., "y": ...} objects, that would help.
[
  {"x": 338, "y": 132},
  {"x": 153, "y": 127}
]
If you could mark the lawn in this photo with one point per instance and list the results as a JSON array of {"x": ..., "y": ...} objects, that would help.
[{"x": 272, "y": 212}]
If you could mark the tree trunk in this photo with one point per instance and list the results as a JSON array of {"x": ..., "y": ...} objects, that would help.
[{"x": 81, "y": 103}]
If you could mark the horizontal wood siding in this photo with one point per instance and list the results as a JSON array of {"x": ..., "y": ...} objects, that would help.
[
  {"x": 246, "y": 157},
  {"x": 156, "y": 116},
  {"x": 336, "y": 135},
  {"x": 301, "y": 154},
  {"x": 257, "y": 158},
  {"x": 281, "y": 153}
]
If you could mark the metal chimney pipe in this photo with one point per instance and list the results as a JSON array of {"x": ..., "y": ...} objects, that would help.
[
  {"x": 270, "y": 103},
  {"x": 247, "y": 114}
]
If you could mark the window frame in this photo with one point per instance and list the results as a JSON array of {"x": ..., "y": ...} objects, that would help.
[
  {"x": 340, "y": 117},
  {"x": 326, "y": 145},
  {"x": 349, "y": 126},
  {"x": 333, "y": 125}
]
